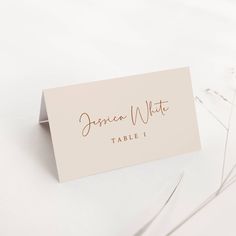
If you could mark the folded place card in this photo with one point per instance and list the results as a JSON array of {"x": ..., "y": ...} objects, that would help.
[{"x": 109, "y": 124}]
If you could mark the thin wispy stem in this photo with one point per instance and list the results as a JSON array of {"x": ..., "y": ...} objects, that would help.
[
  {"x": 210, "y": 112},
  {"x": 227, "y": 177},
  {"x": 227, "y": 136},
  {"x": 230, "y": 182},
  {"x": 143, "y": 229},
  {"x": 214, "y": 92}
]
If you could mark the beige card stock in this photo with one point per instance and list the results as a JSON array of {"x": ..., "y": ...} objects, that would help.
[{"x": 109, "y": 124}]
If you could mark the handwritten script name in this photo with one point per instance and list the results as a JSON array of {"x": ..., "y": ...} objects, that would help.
[{"x": 137, "y": 113}]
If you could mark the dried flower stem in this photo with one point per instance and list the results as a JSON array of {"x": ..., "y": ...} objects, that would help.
[
  {"x": 146, "y": 226},
  {"x": 208, "y": 90},
  {"x": 209, "y": 199},
  {"x": 227, "y": 136},
  {"x": 210, "y": 112}
]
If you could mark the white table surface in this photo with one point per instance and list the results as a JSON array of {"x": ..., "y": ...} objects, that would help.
[{"x": 51, "y": 43}]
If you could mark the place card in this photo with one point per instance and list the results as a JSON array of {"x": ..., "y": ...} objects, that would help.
[{"x": 109, "y": 124}]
